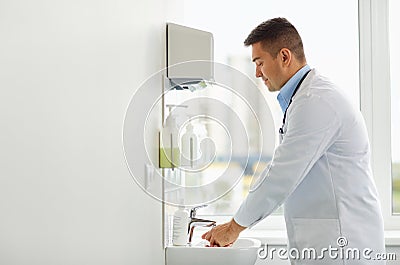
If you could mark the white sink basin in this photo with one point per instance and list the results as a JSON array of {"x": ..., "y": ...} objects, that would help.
[{"x": 242, "y": 252}]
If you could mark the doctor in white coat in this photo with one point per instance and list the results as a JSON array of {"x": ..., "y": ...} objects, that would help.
[{"x": 321, "y": 169}]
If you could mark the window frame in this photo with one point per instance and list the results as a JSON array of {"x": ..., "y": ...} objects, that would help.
[
  {"x": 375, "y": 92},
  {"x": 375, "y": 97}
]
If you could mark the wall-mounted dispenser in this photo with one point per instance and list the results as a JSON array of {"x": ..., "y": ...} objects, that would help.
[
  {"x": 184, "y": 45},
  {"x": 187, "y": 44},
  {"x": 190, "y": 147},
  {"x": 169, "y": 140}
]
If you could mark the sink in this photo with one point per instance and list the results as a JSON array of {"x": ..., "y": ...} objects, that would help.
[{"x": 242, "y": 252}]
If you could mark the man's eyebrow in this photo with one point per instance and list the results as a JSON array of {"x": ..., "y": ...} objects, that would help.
[{"x": 255, "y": 59}]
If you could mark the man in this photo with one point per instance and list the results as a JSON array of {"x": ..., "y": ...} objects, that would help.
[{"x": 321, "y": 169}]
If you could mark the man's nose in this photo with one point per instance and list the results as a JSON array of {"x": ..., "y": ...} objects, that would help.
[{"x": 258, "y": 73}]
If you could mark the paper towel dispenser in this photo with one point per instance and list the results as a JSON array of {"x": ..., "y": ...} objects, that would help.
[{"x": 186, "y": 44}]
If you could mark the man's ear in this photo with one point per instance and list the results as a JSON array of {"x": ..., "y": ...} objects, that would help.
[{"x": 285, "y": 56}]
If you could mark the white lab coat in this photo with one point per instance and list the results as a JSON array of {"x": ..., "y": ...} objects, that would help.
[{"x": 321, "y": 171}]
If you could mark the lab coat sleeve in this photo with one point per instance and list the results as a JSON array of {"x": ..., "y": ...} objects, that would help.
[{"x": 312, "y": 127}]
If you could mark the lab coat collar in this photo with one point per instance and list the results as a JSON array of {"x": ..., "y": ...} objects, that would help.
[{"x": 287, "y": 90}]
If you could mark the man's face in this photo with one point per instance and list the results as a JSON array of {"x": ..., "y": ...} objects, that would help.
[{"x": 267, "y": 67}]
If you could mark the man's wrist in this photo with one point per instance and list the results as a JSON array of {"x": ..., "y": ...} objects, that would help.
[{"x": 236, "y": 227}]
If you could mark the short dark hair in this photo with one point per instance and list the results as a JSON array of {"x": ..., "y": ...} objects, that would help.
[{"x": 275, "y": 34}]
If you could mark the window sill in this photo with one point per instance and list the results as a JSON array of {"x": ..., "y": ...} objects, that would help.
[{"x": 278, "y": 237}]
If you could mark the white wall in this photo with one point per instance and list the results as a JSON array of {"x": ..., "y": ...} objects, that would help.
[{"x": 67, "y": 72}]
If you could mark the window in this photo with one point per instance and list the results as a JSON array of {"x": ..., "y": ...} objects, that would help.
[
  {"x": 379, "y": 88},
  {"x": 322, "y": 34},
  {"x": 394, "y": 42}
]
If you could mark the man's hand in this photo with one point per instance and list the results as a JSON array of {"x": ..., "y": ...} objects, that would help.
[{"x": 223, "y": 235}]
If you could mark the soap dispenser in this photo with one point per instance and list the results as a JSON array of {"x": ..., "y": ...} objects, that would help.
[
  {"x": 180, "y": 226},
  {"x": 169, "y": 144},
  {"x": 189, "y": 147},
  {"x": 169, "y": 149}
]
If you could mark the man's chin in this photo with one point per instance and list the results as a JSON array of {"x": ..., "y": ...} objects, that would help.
[{"x": 271, "y": 89}]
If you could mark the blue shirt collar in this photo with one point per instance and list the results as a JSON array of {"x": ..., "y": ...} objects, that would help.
[{"x": 287, "y": 90}]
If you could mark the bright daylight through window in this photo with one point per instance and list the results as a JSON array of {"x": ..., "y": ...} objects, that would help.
[
  {"x": 322, "y": 49},
  {"x": 394, "y": 38}
]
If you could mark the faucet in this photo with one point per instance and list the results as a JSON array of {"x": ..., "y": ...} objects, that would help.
[{"x": 193, "y": 222}]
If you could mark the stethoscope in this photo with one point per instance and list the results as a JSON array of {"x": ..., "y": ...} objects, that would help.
[{"x": 281, "y": 132}]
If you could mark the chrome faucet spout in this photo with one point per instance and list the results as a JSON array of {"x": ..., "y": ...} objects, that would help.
[{"x": 198, "y": 222}]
